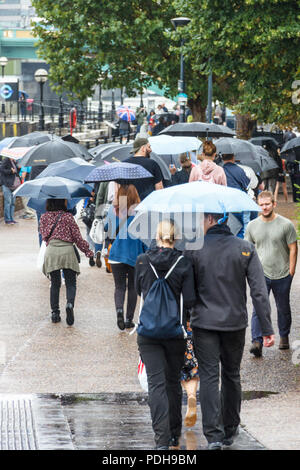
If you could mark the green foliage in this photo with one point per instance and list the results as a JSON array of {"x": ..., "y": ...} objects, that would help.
[{"x": 252, "y": 46}]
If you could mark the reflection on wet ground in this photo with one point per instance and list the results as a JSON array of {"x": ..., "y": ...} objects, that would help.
[{"x": 122, "y": 421}]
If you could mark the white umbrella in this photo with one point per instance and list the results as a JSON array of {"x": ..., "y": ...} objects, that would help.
[{"x": 167, "y": 144}]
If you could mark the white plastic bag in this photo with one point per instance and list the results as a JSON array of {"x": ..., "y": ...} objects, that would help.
[
  {"x": 142, "y": 375},
  {"x": 41, "y": 257},
  {"x": 97, "y": 231}
]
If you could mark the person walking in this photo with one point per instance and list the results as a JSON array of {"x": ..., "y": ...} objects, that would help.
[
  {"x": 164, "y": 358},
  {"x": 142, "y": 150},
  {"x": 10, "y": 181},
  {"x": 219, "y": 321},
  {"x": 236, "y": 178},
  {"x": 207, "y": 170},
  {"x": 275, "y": 239},
  {"x": 183, "y": 175},
  {"x": 123, "y": 254},
  {"x": 60, "y": 232}
]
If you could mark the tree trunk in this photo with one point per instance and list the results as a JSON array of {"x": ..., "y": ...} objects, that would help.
[
  {"x": 198, "y": 109},
  {"x": 244, "y": 126}
]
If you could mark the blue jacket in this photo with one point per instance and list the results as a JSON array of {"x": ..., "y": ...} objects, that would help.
[{"x": 126, "y": 249}]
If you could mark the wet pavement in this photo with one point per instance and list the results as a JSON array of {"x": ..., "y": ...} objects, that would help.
[{"x": 80, "y": 383}]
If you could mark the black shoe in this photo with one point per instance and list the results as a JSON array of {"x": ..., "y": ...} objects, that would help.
[
  {"x": 98, "y": 259},
  {"x": 228, "y": 441},
  {"x": 129, "y": 324},
  {"x": 70, "y": 314},
  {"x": 215, "y": 446},
  {"x": 162, "y": 448},
  {"x": 120, "y": 319},
  {"x": 55, "y": 317},
  {"x": 174, "y": 442},
  {"x": 92, "y": 262},
  {"x": 256, "y": 349}
]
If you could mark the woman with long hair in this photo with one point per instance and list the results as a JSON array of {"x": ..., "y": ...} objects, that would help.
[
  {"x": 60, "y": 232},
  {"x": 164, "y": 358},
  {"x": 124, "y": 252}
]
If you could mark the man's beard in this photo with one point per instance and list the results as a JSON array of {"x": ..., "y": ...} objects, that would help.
[
  {"x": 148, "y": 154},
  {"x": 267, "y": 216}
]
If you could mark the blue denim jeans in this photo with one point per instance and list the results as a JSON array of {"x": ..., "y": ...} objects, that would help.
[
  {"x": 281, "y": 291},
  {"x": 9, "y": 204},
  {"x": 240, "y": 217}
]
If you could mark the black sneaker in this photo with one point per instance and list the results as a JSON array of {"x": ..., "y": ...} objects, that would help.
[
  {"x": 92, "y": 262},
  {"x": 228, "y": 441},
  {"x": 215, "y": 446},
  {"x": 98, "y": 259},
  {"x": 55, "y": 317},
  {"x": 174, "y": 442},
  {"x": 70, "y": 314},
  {"x": 256, "y": 349},
  {"x": 120, "y": 319},
  {"x": 129, "y": 324}
]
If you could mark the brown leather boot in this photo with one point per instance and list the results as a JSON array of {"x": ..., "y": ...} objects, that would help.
[
  {"x": 284, "y": 343},
  {"x": 191, "y": 387}
]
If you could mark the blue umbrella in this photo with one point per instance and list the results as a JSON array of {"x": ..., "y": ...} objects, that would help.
[
  {"x": 75, "y": 169},
  {"x": 53, "y": 187},
  {"x": 40, "y": 204},
  {"x": 118, "y": 171}
]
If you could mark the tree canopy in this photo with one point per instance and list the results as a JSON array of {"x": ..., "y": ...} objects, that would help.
[{"x": 252, "y": 46}]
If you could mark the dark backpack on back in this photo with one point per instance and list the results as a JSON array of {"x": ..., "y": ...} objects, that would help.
[{"x": 159, "y": 315}]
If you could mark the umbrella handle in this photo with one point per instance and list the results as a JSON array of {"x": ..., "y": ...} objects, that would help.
[{"x": 224, "y": 218}]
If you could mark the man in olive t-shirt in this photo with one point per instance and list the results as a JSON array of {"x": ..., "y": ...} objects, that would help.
[{"x": 275, "y": 240}]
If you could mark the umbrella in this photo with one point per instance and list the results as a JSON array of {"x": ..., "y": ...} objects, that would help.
[
  {"x": 40, "y": 204},
  {"x": 54, "y": 187},
  {"x": 15, "y": 153},
  {"x": 184, "y": 204},
  {"x": 101, "y": 147},
  {"x": 6, "y": 142},
  {"x": 54, "y": 151},
  {"x": 34, "y": 138},
  {"x": 290, "y": 145},
  {"x": 198, "y": 196},
  {"x": 74, "y": 169},
  {"x": 118, "y": 171},
  {"x": 126, "y": 114},
  {"x": 198, "y": 129},
  {"x": 263, "y": 140},
  {"x": 167, "y": 144},
  {"x": 162, "y": 165},
  {"x": 24, "y": 93}
]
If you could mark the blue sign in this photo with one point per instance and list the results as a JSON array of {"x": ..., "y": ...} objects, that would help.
[{"x": 6, "y": 92}]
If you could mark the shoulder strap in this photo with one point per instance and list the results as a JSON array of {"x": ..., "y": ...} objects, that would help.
[
  {"x": 55, "y": 224},
  {"x": 174, "y": 265}
]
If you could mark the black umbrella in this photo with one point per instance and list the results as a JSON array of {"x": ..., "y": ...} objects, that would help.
[
  {"x": 291, "y": 146},
  {"x": 33, "y": 138},
  {"x": 54, "y": 151},
  {"x": 264, "y": 141},
  {"x": 198, "y": 129},
  {"x": 97, "y": 152}
]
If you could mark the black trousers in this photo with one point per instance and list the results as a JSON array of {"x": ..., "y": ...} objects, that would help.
[
  {"x": 124, "y": 280},
  {"x": 220, "y": 412},
  {"x": 164, "y": 360},
  {"x": 70, "y": 280}
]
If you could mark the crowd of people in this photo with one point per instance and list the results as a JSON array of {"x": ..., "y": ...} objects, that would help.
[{"x": 207, "y": 286}]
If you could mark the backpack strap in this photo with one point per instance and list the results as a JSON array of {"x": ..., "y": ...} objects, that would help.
[{"x": 171, "y": 269}]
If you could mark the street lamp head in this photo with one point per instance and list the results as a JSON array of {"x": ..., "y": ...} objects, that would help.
[
  {"x": 41, "y": 75},
  {"x": 3, "y": 61},
  {"x": 181, "y": 21}
]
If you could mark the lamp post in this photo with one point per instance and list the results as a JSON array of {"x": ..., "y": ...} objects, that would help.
[
  {"x": 60, "y": 115},
  {"x": 100, "y": 105},
  {"x": 177, "y": 23},
  {"x": 41, "y": 76},
  {"x": 3, "y": 63},
  {"x": 209, "y": 95}
]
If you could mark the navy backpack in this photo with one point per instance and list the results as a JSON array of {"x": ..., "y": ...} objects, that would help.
[{"x": 159, "y": 316}]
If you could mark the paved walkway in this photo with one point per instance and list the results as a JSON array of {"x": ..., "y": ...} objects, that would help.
[{"x": 38, "y": 358}]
